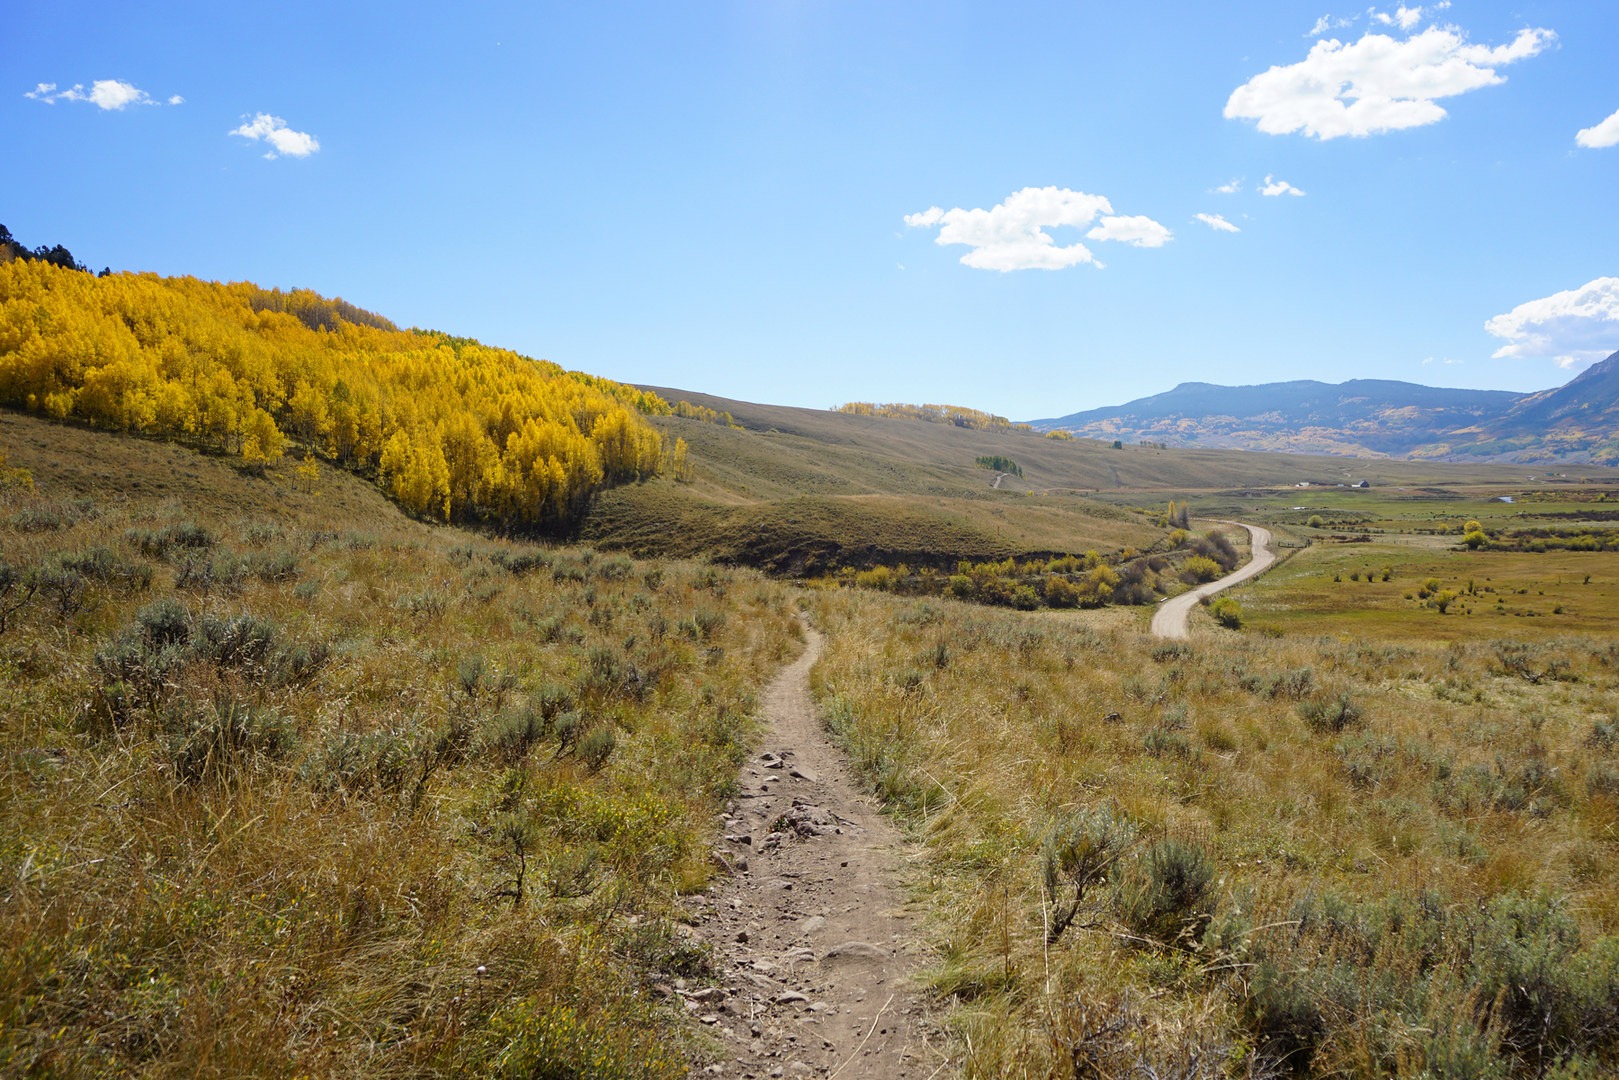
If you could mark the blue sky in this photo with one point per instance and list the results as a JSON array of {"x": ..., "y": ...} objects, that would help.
[{"x": 994, "y": 205}]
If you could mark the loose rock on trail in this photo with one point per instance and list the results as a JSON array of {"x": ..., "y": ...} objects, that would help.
[{"x": 806, "y": 925}]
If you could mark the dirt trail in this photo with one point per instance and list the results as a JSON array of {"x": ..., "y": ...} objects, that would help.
[
  {"x": 1169, "y": 621},
  {"x": 814, "y": 965}
]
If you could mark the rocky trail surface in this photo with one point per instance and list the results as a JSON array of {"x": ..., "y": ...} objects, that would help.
[{"x": 812, "y": 947}]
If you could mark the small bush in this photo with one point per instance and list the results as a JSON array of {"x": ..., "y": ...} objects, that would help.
[
  {"x": 1295, "y": 683},
  {"x": 158, "y": 543},
  {"x": 1077, "y": 855},
  {"x": 61, "y": 586},
  {"x": 513, "y": 735},
  {"x": 1227, "y": 612},
  {"x": 1165, "y": 742},
  {"x": 596, "y": 747},
  {"x": 352, "y": 763},
  {"x": 1330, "y": 714},
  {"x": 520, "y": 562},
  {"x": 164, "y": 622},
  {"x": 1166, "y": 893}
]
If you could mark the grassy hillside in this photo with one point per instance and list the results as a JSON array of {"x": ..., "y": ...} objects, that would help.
[
  {"x": 807, "y": 490},
  {"x": 292, "y": 785}
]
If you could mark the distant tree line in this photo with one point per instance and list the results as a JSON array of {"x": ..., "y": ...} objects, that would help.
[
  {"x": 954, "y": 415},
  {"x": 998, "y": 463},
  {"x": 11, "y": 248}
]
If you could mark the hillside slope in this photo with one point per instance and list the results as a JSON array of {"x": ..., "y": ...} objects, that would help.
[{"x": 807, "y": 490}]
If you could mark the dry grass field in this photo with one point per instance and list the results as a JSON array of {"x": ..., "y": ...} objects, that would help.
[
  {"x": 292, "y": 785},
  {"x": 1357, "y": 837}
]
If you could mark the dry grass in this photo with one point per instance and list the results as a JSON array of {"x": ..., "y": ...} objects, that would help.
[
  {"x": 1409, "y": 846},
  {"x": 275, "y": 772}
]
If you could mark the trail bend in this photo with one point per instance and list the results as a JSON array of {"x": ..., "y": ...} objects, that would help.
[{"x": 1169, "y": 621}]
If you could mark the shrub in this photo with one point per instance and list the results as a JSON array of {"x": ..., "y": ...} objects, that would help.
[
  {"x": 1200, "y": 568},
  {"x": 62, "y": 586},
  {"x": 514, "y": 734},
  {"x": 614, "y": 568},
  {"x": 164, "y": 622},
  {"x": 1077, "y": 854},
  {"x": 1330, "y": 714},
  {"x": 185, "y": 535},
  {"x": 520, "y": 562},
  {"x": 1060, "y": 592},
  {"x": 15, "y": 592},
  {"x": 1227, "y": 612},
  {"x": 595, "y": 748},
  {"x": 1166, "y": 893},
  {"x": 242, "y": 641},
  {"x": 1166, "y": 742},
  {"x": 353, "y": 763},
  {"x": 1294, "y": 683}
]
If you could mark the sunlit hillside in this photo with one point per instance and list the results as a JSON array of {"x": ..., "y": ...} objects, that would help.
[{"x": 450, "y": 429}]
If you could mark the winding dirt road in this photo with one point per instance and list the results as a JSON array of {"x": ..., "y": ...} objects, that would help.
[
  {"x": 1169, "y": 621},
  {"x": 814, "y": 973}
]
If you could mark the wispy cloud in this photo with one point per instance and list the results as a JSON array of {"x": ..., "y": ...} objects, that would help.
[
  {"x": 1231, "y": 188},
  {"x": 1012, "y": 234},
  {"x": 1577, "y": 326},
  {"x": 281, "y": 139},
  {"x": 110, "y": 95},
  {"x": 1274, "y": 187},
  {"x": 1376, "y": 84},
  {"x": 1328, "y": 23},
  {"x": 1407, "y": 18},
  {"x": 1602, "y": 135},
  {"x": 1217, "y": 222}
]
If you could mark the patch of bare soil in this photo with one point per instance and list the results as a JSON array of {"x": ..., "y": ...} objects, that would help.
[{"x": 814, "y": 949}]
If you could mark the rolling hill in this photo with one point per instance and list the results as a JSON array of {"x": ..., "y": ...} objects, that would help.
[
  {"x": 1576, "y": 422},
  {"x": 805, "y": 490}
]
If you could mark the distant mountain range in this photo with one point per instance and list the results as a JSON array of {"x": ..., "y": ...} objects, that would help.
[{"x": 1575, "y": 422}]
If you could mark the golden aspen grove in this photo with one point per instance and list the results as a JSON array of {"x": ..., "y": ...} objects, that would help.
[{"x": 451, "y": 429}]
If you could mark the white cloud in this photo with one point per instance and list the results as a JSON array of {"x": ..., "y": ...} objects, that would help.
[
  {"x": 1012, "y": 235},
  {"x": 1217, "y": 222},
  {"x": 176, "y": 99},
  {"x": 1137, "y": 231},
  {"x": 1405, "y": 17},
  {"x": 282, "y": 139},
  {"x": 1376, "y": 84},
  {"x": 1230, "y": 189},
  {"x": 1274, "y": 187},
  {"x": 1604, "y": 134},
  {"x": 107, "y": 94},
  {"x": 1573, "y": 327}
]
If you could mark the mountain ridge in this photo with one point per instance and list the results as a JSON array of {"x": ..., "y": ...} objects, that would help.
[{"x": 1578, "y": 421}]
